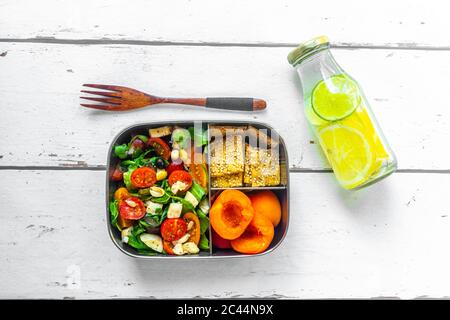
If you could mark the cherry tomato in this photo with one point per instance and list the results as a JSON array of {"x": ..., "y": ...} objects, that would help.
[
  {"x": 182, "y": 176},
  {"x": 121, "y": 194},
  {"x": 143, "y": 177},
  {"x": 117, "y": 174},
  {"x": 168, "y": 247},
  {"x": 132, "y": 208},
  {"x": 124, "y": 223},
  {"x": 173, "y": 229},
  {"x": 173, "y": 167},
  {"x": 194, "y": 232},
  {"x": 161, "y": 147}
]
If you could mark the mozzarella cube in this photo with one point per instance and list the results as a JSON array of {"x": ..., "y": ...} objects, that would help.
[
  {"x": 177, "y": 186},
  {"x": 152, "y": 207},
  {"x": 174, "y": 210},
  {"x": 190, "y": 198},
  {"x": 125, "y": 234},
  {"x": 190, "y": 247},
  {"x": 204, "y": 206},
  {"x": 178, "y": 249}
]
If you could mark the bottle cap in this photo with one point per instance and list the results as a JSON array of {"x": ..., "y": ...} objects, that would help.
[{"x": 307, "y": 48}]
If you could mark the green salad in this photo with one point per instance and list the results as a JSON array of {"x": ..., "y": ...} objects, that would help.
[{"x": 161, "y": 201}]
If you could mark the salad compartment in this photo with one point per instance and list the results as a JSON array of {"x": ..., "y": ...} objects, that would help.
[{"x": 250, "y": 185}]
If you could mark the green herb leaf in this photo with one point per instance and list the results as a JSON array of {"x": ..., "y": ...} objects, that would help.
[
  {"x": 127, "y": 177},
  {"x": 114, "y": 213},
  {"x": 134, "y": 239},
  {"x": 139, "y": 161},
  {"x": 121, "y": 151},
  {"x": 204, "y": 221},
  {"x": 163, "y": 200},
  {"x": 204, "y": 242}
]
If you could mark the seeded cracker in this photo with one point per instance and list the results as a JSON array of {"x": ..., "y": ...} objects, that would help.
[
  {"x": 262, "y": 168},
  {"x": 227, "y": 157}
]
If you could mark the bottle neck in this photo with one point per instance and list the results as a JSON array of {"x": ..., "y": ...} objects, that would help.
[{"x": 318, "y": 66}]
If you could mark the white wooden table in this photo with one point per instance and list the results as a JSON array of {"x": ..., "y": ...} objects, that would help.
[{"x": 389, "y": 240}]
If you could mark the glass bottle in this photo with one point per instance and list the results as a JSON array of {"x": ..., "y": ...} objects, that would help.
[{"x": 340, "y": 117}]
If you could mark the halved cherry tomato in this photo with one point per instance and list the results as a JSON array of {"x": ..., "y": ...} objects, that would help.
[
  {"x": 195, "y": 230},
  {"x": 132, "y": 208},
  {"x": 173, "y": 229},
  {"x": 117, "y": 174},
  {"x": 168, "y": 247},
  {"x": 200, "y": 174},
  {"x": 121, "y": 194},
  {"x": 182, "y": 176},
  {"x": 174, "y": 167},
  {"x": 161, "y": 147},
  {"x": 143, "y": 177},
  {"x": 124, "y": 223}
]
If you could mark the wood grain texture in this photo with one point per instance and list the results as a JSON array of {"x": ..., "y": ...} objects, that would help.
[
  {"x": 382, "y": 241},
  {"x": 349, "y": 23},
  {"x": 43, "y": 124}
]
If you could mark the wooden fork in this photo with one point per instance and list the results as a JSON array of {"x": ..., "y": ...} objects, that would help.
[{"x": 118, "y": 98}]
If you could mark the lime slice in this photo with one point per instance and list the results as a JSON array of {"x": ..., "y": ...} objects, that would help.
[
  {"x": 349, "y": 154},
  {"x": 335, "y": 98}
]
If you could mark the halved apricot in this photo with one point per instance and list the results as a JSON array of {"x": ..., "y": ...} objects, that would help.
[
  {"x": 266, "y": 203},
  {"x": 231, "y": 213},
  {"x": 256, "y": 238}
]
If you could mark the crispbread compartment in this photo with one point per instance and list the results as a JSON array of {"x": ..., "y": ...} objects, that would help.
[{"x": 246, "y": 156}]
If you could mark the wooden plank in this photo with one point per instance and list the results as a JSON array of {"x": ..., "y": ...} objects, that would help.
[
  {"x": 43, "y": 125},
  {"x": 350, "y": 22},
  {"x": 388, "y": 240}
]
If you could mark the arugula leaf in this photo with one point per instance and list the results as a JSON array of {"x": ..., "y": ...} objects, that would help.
[
  {"x": 134, "y": 238},
  {"x": 137, "y": 230},
  {"x": 127, "y": 177},
  {"x": 114, "y": 213},
  {"x": 204, "y": 242},
  {"x": 153, "y": 220},
  {"x": 121, "y": 151},
  {"x": 139, "y": 161},
  {"x": 204, "y": 221},
  {"x": 163, "y": 200}
]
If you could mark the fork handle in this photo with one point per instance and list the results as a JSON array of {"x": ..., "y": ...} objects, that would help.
[{"x": 238, "y": 104}]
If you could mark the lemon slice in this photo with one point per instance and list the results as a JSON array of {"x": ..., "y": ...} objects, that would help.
[
  {"x": 349, "y": 154},
  {"x": 362, "y": 121},
  {"x": 335, "y": 98}
]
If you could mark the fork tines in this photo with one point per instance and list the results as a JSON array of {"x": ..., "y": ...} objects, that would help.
[{"x": 111, "y": 100}]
